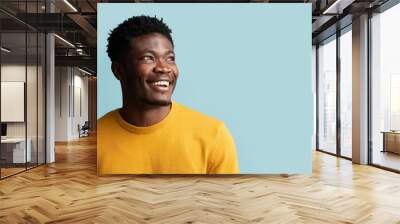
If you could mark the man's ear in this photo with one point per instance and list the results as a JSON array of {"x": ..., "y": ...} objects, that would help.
[{"x": 117, "y": 70}]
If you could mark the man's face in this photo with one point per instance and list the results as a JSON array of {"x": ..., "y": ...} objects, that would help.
[{"x": 150, "y": 70}]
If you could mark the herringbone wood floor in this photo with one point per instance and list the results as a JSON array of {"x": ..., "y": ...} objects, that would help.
[{"x": 70, "y": 192}]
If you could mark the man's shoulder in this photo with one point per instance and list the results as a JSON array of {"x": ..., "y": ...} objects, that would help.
[
  {"x": 108, "y": 117},
  {"x": 197, "y": 118}
]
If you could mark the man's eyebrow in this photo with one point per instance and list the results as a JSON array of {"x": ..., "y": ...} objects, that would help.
[
  {"x": 170, "y": 52},
  {"x": 153, "y": 52}
]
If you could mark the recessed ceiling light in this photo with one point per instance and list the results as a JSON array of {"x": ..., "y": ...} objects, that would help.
[
  {"x": 5, "y": 49},
  {"x": 337, "y": 7},
  {"x": 64, "y": 40},
  {"x": 84, "y": 71},
  {"x": 70, "y": 5}
]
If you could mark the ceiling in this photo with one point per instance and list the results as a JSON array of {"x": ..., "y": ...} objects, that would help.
[{"x": 76, "y": 22}]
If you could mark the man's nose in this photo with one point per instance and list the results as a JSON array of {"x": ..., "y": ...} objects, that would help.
[{"x": 162, "y": 67}]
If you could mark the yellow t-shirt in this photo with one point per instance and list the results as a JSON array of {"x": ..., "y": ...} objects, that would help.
[{"x": 184, "y": 142}]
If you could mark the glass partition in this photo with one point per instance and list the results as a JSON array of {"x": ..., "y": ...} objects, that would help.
[
  {"x": 22, "y": 89},
  {"x": 13, "y": 95}
]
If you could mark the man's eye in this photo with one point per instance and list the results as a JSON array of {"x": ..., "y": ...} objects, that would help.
[
  {"x": 171, "y": 58},
  {"x": 147, "y": 58}
]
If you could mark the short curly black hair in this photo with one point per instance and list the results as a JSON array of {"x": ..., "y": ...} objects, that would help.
[{"x": 120, "y": 37}]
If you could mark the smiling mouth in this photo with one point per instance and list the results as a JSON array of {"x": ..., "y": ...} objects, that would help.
[{"x": 161, "y": 85}]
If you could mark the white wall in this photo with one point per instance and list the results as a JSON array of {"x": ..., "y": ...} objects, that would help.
[
  {"x": 61, "y": 103},
  {"x": 80, "y": 102},
  {"x": 71, "y": 94}
]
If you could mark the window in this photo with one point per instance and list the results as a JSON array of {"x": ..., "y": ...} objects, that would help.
[
  {"x": 327, "y": 95},
  {"x": 385, "y": 89},
  {"x": 346, "y": 93}
]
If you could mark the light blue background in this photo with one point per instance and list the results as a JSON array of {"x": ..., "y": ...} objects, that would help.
[{"x": 246, "y": 64}]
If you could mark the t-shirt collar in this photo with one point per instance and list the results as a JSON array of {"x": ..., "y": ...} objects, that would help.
[{"x": 144, "y": 130}]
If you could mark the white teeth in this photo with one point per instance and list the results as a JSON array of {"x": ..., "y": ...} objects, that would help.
[{"x": 161, "y": 83}]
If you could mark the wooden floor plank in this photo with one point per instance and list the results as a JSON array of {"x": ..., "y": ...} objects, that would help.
[{"x": 69, "y": 191}]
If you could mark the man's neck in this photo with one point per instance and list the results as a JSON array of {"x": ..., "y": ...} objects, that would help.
[{"x": 144, "y": 115}]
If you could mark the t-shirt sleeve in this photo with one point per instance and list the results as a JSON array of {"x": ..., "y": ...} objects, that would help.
[{"x": 223, "y": 157}]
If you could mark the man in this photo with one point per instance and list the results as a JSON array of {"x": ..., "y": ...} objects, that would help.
[{"x": 151, "y": 134}]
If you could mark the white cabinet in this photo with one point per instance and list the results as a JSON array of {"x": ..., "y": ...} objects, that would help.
[{"x": 16, "y": 146}]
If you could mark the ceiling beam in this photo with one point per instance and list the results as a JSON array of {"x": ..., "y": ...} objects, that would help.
[
  {"x": 320, "y": 22},
  {"x": 82, "y": 61},
  {"x": 337, "y": 6},
  {"x": 86, "y": 26}
]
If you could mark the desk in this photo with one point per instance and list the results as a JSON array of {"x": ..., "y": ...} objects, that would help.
[
  {"x": 391, "y": 141},
  {"x": 15, "y": 148}
]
